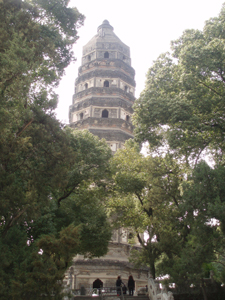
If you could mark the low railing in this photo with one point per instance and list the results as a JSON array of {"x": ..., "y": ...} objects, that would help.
[{"x": 104, "y": 291}]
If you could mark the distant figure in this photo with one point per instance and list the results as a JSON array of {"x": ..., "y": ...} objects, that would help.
[
  {"x": 131, "y": 285},
  {"x": 118, "y": 285}
]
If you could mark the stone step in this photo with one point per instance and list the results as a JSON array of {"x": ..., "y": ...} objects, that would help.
[
  {"x": 139, "y": 297},
  {"x": 111, "y": 297}
]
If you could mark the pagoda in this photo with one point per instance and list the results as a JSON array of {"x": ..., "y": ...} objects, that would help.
[
  {"x": 102, "y": 103},
  {"x": 105, "y": 89}
]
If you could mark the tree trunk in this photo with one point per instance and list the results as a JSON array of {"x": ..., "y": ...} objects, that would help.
[
  {"x": 152, "y": 269},
  {"x": 203, "y": 290}
]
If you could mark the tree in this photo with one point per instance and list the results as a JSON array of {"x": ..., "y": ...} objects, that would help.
[
  {"x": 64, "y": 214},
  {"x": 182, "y": 110},
  {"x": 52, "y": 179},
  {"x": 201, "y": 207},
  {"x": 37, "y": 38},
  {"x": 36, "y": 47},
  {"x": 180, "y": 212},
  {"x": 146, "y": 200},
  {"x": 182, "y": 103},
  {"x": 68, "y": 207}
]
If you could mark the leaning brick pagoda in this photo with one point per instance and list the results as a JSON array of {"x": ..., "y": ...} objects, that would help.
[
  {"x": 102, "y": 103},
  {"x": 104, "y": 89}
]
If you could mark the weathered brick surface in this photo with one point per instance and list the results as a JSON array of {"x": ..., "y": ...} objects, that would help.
[{"x": 102, "y": 103}]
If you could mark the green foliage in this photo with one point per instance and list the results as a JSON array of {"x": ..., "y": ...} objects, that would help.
[
  {"x": 53, "y": 180},
  {"x": 182, "y": 103},
  {"x": 37, "y": 38},
  {"x": 40, "y": 274},
  {"x": 64, "y": 214},
  {"x": 146, "y": 197},
  {"x": 181, "y": 212},
  {"x": 182, "y": 110}
]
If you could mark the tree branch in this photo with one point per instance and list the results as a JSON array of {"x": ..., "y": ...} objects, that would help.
[
  {"x": 149, "y": 211},
  {"x": 209, "y": 88},
  {"x": 21, "y": 131},
  {"x": 140, "y": 239},
  {"x": 10, "y": 224}
]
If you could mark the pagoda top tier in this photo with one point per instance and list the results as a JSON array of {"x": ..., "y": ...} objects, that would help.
[{"x": 108, "y": 40}]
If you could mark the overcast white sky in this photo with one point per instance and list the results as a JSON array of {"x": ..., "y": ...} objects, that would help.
[{"x": 146, "y": 26}]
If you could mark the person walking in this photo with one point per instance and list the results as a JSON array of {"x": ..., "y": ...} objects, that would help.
[
  {"x": 119, "y": 285},
  {"x": 131, "y": 285}
]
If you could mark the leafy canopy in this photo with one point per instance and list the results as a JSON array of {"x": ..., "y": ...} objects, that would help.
[
  {"x": 52, "y": 179},
  {"x": 145, "y": 199},
  {"x": 183, "y": 100}
]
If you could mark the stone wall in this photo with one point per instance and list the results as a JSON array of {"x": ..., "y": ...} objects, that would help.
[
  {"x": 105, "y": 63},
  {"x": 105, "y": 74},
  {"x": 84, "y": 272},
  {"x": 103, "y": 92},
  {"x": 102, "y": 102}
]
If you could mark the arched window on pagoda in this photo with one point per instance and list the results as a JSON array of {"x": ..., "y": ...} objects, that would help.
[
  {"x": 106, "y": 83},
  {"x": 106, "y": 55},
  {"x": 105, "y": 113},
  {"x": 86, "y": 86},
  {"x": 81, "y": 116},
  {"x": 127, "y": 118},
  {"x": 97, "y": 284},
  {"x": 130, "y": 236}
]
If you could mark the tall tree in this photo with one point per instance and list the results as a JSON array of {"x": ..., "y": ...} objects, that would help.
[
  {"x": 147, "y": 199},
  {"x": 182, "y": 102},
  {"x": 182, "y": 109},
  {"x": 51, "y": 179},
  {"x": 37, "y": 37},
  {"x": 202, "y": 209},
  {"x": 180, "y": 212}
]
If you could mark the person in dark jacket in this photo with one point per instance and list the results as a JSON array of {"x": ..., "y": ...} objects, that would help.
[
  {"x": 118, "y": 285},
  {"x": 131, "y": 285}
]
